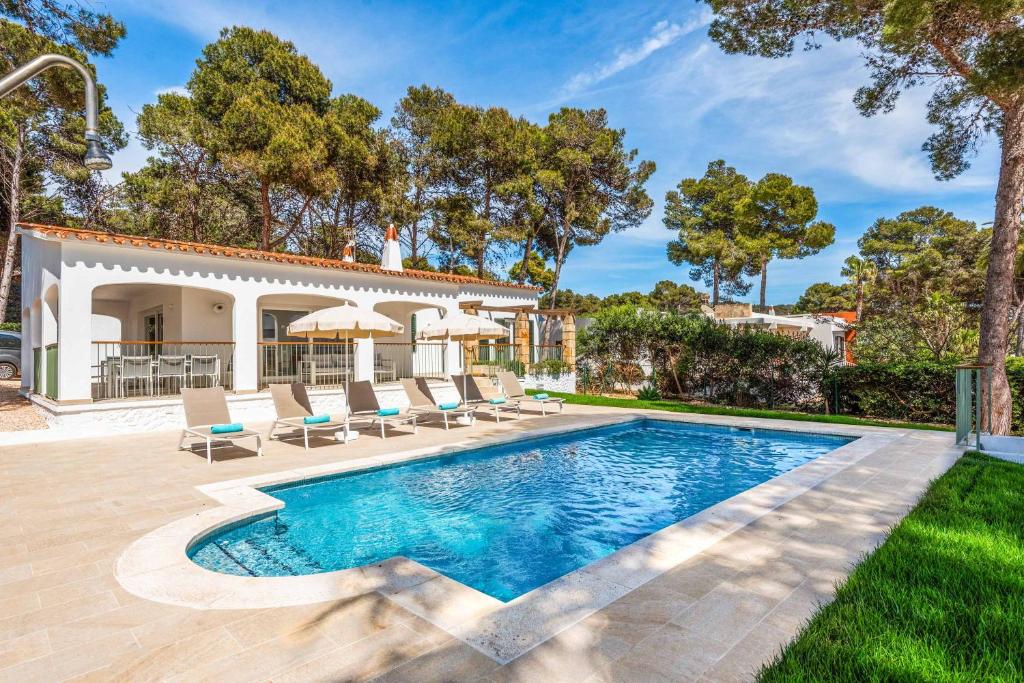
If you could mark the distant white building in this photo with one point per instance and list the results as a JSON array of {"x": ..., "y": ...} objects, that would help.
[{"x": 831, "y": 331}]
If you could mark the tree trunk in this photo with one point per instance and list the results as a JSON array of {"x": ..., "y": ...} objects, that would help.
[
  {"x": 12, "y": 222},
  {"x": 715, "y": 274},
  {"x": 860, "y": 298},
  {"x": 764, "y": 281},
  {"x": 559, "y": 259},
  {"x": 672, "y": 360},
  {"x": 995, "y": 311},
  {"x": 265, "y": 206},
  {"x": 481, "y": 263},
  {"x": 527, "y": 250},
  {"x": 1019, "y": 351}
]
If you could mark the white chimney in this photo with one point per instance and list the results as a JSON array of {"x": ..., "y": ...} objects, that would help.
[
  {"x": 391, "y": 259},
  {"x": 348, "y": 254}
]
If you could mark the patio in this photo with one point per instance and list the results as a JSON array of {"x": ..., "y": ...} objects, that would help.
[{"x": 73, "y": 507}]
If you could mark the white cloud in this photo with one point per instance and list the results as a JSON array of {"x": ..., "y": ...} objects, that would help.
[
  {"x": 661, "y": 36},
  {"x": 336, "y": 39},
  {"x": 172, "y": 90},
  {"x": 797, "y": 116}
]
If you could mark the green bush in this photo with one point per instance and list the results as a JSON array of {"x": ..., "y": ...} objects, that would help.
[
  {"x": 648, "y": 392},
  {"x": 10, "y": 327},
  {"x": 921, "y": 391},
  {"x": 697, "y": 358},
  {"x": 552, "y": 367}
]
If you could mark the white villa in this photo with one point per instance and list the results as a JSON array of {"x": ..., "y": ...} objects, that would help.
[
  {"x": 830, "y": 331},
  {"x": 114, "y": 325}
]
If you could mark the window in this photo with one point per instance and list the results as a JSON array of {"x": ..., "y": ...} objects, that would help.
[
  {"x": 274, "y": 324},
  {"x": 269, "y": 327},
  {"x": 10, "y": 341},
  {"x": 153, "y": 327}
]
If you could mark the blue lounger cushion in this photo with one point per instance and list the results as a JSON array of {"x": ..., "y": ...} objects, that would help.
[
  {"x": 540, "y": 397},
  {"x": 497, "y": 401},
  {"x": 448, "y": 406},
  {"x": 227, "y": 429},
  {"x": 387, "y": 412},
  {"x": 316, "y": 419}
]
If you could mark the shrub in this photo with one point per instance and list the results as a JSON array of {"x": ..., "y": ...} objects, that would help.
[
  {"x": 648, "y": 392},
  {"x": 920, "y": 391},
  {"x": 10, "y": 327},
  {"x": 552, "y": 367}
]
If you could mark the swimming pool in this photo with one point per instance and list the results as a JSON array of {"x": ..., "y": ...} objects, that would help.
[{"x": 506, "y": 519}]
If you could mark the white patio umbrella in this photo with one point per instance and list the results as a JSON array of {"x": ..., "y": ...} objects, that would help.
[
  {"x": 344, "y": 322},
  {"x": 463, "y": 327}
]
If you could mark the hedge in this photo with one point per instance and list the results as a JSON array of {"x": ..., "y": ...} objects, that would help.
[{"x": 922, "y": 391}]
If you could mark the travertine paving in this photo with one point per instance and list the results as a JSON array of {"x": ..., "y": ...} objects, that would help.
[{"x": 71, "y": 509}]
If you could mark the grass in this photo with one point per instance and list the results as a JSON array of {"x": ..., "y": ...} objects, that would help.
[
  {"x": 941, "y": 600},
  {"x": 680, "y": 407}
]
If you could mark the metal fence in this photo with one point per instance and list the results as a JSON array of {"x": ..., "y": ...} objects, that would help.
[
  {"x": 542, "y": 352},
  {"x": 316, "y": 364},
  {"x": 490, "y": 358},
  {"x": 395, "y": 361},
  {"x": 135, "y": 369}
]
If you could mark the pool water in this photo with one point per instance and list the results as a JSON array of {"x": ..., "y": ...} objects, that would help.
[{"x": 507, "y": 519}]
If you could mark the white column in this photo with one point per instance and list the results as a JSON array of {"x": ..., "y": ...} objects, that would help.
[
  {"x": 364, "y": 360},
  {"x": 453, "y": 359},
  {"x": 73, "y": 334},
  {"x": 454, "y": 355},
  {"x": 245, "y": 330}
]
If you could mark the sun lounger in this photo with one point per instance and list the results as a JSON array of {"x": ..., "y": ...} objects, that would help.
[
  {"x": 207, "y": 418},
  {"x": 514, "y": 390},
  {"x": 423, "y": 403},
  {"x": 480, "y": 393},
  {"x": 363, "y": 406},
  {"x": 291, "y": 402}
]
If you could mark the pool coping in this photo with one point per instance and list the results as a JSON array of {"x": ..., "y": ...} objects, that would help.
[{"x": 156, "y": 566}]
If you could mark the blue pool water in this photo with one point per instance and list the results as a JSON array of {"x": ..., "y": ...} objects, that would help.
[{"x": 507, "y": 519}]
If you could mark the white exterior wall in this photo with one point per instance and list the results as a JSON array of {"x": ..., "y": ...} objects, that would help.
[
  {"x": 825, "y": 329},
  {"x": 76, "y": 268}
]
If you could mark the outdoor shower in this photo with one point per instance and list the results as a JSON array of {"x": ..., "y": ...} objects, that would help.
[{"x": 95, "y": 158}]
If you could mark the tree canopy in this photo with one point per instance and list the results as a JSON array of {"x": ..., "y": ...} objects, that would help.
[
  {"x": 969, "y": 53},
  {"x": 702, "y": 211}
]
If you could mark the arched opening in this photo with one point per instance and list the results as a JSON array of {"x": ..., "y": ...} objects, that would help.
[
  {"x": 285, "y": 359},
  {"x": 404, "y": 356},
  {"x": 152, "y": 340}
]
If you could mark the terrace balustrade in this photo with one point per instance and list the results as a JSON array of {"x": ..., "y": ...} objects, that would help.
[
  {"x": 395, "y": 361},
  {"x": 142, "y": 369},
  {"x": 316, "y": 364}
]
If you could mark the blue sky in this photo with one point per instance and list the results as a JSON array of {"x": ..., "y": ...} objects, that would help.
[{"x": 681, "y": 100}]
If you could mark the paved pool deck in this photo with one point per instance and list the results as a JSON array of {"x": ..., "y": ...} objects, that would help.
[{"x": 72, "y": 509}]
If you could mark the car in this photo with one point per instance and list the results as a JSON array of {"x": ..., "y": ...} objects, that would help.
[{"x": 10, "y": 354}]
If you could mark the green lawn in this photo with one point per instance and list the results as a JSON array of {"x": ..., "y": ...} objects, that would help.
[
  {"x": 941, "y": 600},
  {"x": 680, "y": 407}
]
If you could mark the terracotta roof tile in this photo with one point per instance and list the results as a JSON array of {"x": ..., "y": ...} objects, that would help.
[{"x": 257, "y": 255}]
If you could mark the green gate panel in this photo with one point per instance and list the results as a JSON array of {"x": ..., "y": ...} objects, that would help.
[
  {"x": 51, "y": 371},
  {"x": 37, "y": 370}
]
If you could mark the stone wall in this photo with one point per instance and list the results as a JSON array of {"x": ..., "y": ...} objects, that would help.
[{"x": 565, "y": 383}]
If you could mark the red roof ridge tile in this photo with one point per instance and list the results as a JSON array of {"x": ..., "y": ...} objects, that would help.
[{"x": 101, "y": 237}]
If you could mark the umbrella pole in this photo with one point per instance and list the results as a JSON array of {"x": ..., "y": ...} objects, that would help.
[{"x": 348, "y": 369}]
